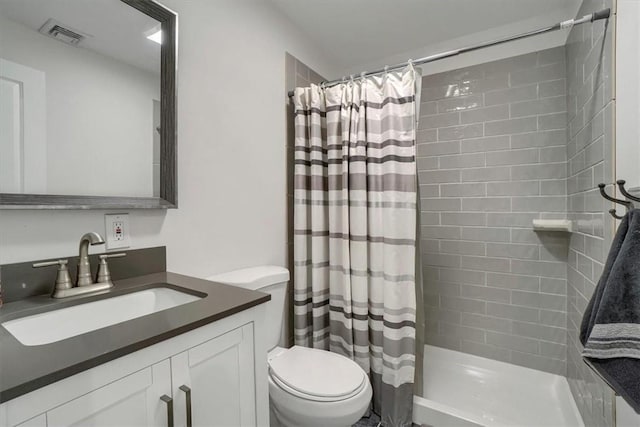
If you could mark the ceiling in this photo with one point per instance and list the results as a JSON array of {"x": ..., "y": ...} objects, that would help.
[
  {"x": 357, "y": 32},
  {"x": 116, "y": 29}
]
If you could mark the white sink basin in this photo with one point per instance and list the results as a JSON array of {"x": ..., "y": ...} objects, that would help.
[{"x": 68, "y": 322}]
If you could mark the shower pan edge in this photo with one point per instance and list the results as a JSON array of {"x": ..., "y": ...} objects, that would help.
[{"x": 462, "y": 389}]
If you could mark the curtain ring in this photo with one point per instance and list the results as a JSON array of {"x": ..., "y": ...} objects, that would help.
[{"x": 362, "y": 75}]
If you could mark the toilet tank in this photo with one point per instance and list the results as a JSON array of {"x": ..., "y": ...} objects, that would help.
[{"x": 269, "y": 279}]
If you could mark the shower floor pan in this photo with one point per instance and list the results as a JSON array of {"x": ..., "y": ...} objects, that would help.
[{"x": 462, "y": 390}]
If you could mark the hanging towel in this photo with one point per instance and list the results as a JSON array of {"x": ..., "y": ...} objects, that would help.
[{"x": 610, "y": 330}]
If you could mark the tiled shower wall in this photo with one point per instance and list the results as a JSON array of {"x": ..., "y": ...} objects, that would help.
[
  {"x": 492, "y": 157},
  {"x": 590, "y": 152}
]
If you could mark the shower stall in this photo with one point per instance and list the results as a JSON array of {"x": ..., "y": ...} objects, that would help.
[{"x": 500, "y": 145}]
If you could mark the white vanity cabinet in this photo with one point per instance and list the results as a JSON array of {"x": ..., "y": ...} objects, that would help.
[
  {"x": 220, "y": 381},
  {"x": 39, "y": 421},
  {"x": 220, "y": 368},
  {"x": 130, "y": 401}
]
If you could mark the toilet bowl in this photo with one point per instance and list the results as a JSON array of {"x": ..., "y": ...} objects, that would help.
[
  {"x": 307, "y": 387},
  {"x": 310, "y": 387}
]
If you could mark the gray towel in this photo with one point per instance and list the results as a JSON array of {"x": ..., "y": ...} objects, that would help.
[{"x": 610, "y": 330}]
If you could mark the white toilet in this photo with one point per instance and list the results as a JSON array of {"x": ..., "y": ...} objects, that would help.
[{"x": 307, "y": 387}]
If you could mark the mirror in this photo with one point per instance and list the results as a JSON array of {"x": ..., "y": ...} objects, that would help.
[{"x": 87, "y": 104}]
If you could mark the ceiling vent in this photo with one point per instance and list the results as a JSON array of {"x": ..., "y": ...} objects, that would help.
[{"x": 59, "y": 31}]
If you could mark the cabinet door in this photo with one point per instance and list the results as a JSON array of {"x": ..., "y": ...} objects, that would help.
[
  {"x": 39, "y": 421},
  {"x": 130, "y": 401},
  {"x": 220, "y": 376}
]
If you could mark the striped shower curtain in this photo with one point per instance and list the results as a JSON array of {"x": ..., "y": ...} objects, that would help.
[{"x": 355, "y": 230}]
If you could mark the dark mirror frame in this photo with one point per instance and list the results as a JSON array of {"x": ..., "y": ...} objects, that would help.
[{"x": 168, "y": 135}]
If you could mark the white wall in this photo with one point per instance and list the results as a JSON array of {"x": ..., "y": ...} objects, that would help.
[
  {"x": 507, "y": 50},
  {"x": 628, "y": 93},
  {"x": 99, "y": 115},
  {"x": 627, "y": 129},
  {"x": 231, "y": 149}
]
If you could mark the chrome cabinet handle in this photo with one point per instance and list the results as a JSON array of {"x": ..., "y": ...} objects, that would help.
[
  {"x": 169, "y": 401},
  {"x": 187, "y": 392}
]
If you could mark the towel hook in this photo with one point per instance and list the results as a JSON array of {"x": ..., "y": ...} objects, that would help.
[
  {"x": 625, "y": 193},
  {"x": 615, "y": 214},
  {"x": 627, "y": 204}
]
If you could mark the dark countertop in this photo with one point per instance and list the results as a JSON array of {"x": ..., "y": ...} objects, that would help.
[{"x": 27, "y": 368}]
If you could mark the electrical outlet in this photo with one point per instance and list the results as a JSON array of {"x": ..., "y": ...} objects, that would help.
[{"x": 117, "y": 231}]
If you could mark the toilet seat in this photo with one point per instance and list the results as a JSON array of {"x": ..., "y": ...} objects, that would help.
[
  {"x": 316, "y": 375},
  {"x": 312, "y": 397}
]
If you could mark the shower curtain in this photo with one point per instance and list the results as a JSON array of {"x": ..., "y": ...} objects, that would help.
[{"x": 355, "y": 204}]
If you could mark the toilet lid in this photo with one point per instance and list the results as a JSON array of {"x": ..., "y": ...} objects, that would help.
[{"x": 317, "y": 373}]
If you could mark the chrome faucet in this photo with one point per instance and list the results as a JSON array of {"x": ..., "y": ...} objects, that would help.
[
  {"x": 84, "y": 268},
  {"x": 84, "y": 282}
]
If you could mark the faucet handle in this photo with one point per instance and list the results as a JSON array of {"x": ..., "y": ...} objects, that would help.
[
  {"x": 50, "y": 263},
  {"x": 63, "y": 280},
  {"x": 104, "y": 275},
  {"x": 118, "y": 255}
]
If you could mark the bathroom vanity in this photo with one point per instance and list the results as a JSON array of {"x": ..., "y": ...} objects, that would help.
[{"x": 201, "y": 362}]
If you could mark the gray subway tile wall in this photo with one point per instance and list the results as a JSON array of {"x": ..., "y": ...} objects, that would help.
[
  {"x": 590, "y": 153},
  {"x": 492, "y": 157}
]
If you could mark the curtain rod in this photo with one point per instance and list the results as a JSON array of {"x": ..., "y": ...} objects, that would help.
[{"x": 603, "y": 14}]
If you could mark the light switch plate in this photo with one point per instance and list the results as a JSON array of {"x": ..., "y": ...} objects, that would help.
[{"x": 117, "y": 231}]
